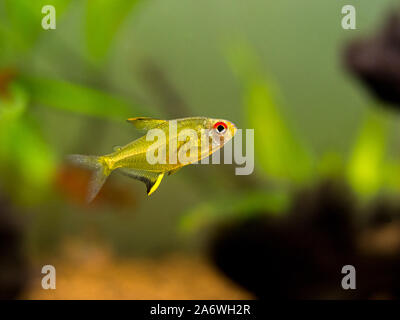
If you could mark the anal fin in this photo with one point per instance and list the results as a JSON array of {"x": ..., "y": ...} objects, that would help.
[{"x": 151, "y": 179}]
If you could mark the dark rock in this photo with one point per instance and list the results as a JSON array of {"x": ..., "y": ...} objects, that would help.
[{"x": 376, "y": 61}]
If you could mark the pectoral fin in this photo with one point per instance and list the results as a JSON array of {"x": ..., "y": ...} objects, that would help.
[
  {"x": 144, "y": 123},
  {"x": 151, "y": 179}
]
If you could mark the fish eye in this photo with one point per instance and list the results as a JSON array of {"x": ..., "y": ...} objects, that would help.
[{"x": 220, "y": 127}]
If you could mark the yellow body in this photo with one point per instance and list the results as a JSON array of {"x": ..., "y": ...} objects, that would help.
[{"x": 132, "y": 159}]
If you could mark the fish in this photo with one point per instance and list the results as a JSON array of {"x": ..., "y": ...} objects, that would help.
[{"x": 180, "y": 142}]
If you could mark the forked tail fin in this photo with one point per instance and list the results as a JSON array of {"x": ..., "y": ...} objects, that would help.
[{"x": 100, "y": 172}]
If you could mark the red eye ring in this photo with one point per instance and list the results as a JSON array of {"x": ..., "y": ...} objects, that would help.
[{"x": 220, "y": 123}]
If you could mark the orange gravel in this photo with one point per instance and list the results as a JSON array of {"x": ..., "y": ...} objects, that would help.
[{"x": 93, "y": 273}]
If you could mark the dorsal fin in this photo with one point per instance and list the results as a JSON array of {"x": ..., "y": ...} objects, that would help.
[
  {"x": 151, "y": 179},
  {"x": 145, "y": 123},
  {"x": 173, "y": 171}
]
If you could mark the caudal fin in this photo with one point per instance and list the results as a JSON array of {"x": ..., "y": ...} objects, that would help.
[{"x": 100, "y": 172}]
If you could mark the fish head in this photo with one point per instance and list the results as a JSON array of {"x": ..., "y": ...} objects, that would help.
[{"x": 220, "y": 131}]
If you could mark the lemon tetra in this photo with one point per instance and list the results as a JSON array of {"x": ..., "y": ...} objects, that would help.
[{"x": 168, "y": 146}]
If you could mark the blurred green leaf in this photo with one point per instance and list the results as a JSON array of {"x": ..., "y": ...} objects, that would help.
[
  {"x": 367, "y": 157},
  {"x": 76, "y": 98},
  {"x": 103, "y": 19},
  {"x": 234, "y": 206},
  {"x": 26, "y": 162},
  {"x": 7, "y": 56},
  {"x": 13, "y": 105},
  {"x": 11, "y": 109},
  {"x": 34, "y": 161},
  {"x": 281, "y": 153},
  {"x": 391, "y": 176},
  {"x": 25, "y": 20}
]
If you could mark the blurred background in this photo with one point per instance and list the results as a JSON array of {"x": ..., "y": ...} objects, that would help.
[{"x": 324, "y": 103}]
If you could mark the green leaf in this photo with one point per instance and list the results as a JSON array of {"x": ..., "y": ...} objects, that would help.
[
  {"x": 12, "y": 108},
  {"x": 280, "y": 151},
  {"x": 234, "y": 206},
  {"x": 26, "y": 162},
  {"x": 391, "y": 176},
  {"x": 103, "y": 19},
  {"x": 7, "y": 54},
  {"x": 366, "y": 161},
  {"x": 34, "y": 161},
  {"x": 25, "y": 20},
  {"x": 76, "y": 98}
]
